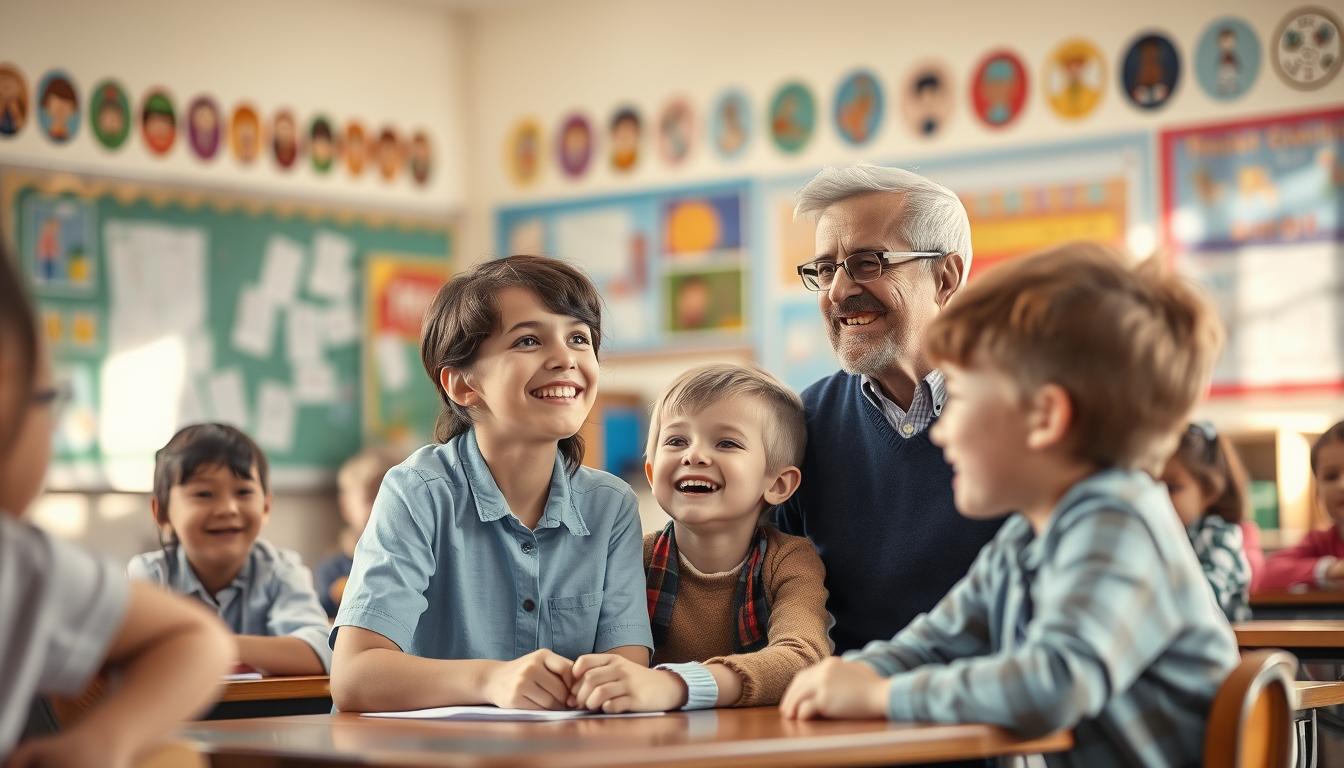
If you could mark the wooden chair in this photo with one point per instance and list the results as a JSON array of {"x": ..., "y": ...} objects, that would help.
[{"x": 1251, "y": 721}]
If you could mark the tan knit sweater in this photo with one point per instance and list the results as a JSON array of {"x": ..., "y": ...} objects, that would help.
[{"x": 703, "y": 621}]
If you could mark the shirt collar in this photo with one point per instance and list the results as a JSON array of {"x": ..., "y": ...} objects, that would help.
[
  {"x": 189, "y": 584},
  {"x": 933, "y": 386},
  {"x": 490, "y": 503}
]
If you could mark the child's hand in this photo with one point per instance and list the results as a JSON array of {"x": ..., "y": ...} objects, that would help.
[
  {"x": 605, "y": 682},
  {"x": 540, "y": 680},
  {"x": 844, "y": 690},
  {"x": 1336, "y": 571},
  {"x": 75, "y": 748}
]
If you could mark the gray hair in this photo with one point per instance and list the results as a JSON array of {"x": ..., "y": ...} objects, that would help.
[{"x": 933, "y": 217}]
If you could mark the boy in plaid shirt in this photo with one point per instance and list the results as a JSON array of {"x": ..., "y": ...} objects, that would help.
[
  {"x": 1068, "y": 374},
  {"x": 737, "y": 608}
]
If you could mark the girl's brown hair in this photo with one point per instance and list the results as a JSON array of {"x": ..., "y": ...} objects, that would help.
[
  {"x": 1335, "y": 434},
  {"x": 1213, "y": 462},
  {"x": 464, "y": 314},
  {"x": 18, "y": 349}
]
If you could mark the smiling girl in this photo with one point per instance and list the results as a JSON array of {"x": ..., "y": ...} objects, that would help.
[{"x": 493, "y": 559}]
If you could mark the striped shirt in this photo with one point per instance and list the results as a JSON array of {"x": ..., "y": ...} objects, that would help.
[
  {"x": 925, "y": 406},
  {"x": 1102, "y": 624}
]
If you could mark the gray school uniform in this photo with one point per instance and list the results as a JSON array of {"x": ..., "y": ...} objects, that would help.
[
  {"x": 272, "y": 595},
  {"x": 60, "y": 609}
]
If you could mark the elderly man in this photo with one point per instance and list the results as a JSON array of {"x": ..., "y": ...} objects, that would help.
[{"x": 876, "y": 499}]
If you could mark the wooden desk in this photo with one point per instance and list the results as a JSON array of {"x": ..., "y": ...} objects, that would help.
[
  {"x": 1314, "y": 695},
  {"x": 741, "y": 737},
  {"x": 1317, "y": 598},
  {"x": 272, "y": 697},
  {"x": 1308, "y": 639}
]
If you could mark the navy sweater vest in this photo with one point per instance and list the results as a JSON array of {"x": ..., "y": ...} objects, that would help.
[{"x": 879, "y": 509}]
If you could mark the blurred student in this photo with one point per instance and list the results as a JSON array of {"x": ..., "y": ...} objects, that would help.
[
  {"x": 1317, "y": 561},
  {"x": 64, "y": 614},
  {"x": 210, "y": 501},
  {"x": 357, "y": 486}
]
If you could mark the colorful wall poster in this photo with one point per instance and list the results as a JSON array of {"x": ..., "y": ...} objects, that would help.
[
  {"x": 858, "y": 107},
  {"x": 999, "y": 88},
  {"x": 1075, "y": 79},
  {"x": 400, "y": 402},
  {"x": 158, "y": 121},
  {"x": 1306, "y": 48},
  {"x": 61, "y": 256},
  {"x": 110, "y": 114},
  {"x": 1227, "y": 59},
  {"x": 203, "y": 127},
  {"x": 1254, "y": 211},
  {"x": 793, "y": 117},
  {"x": 624, "y": 138},
  {"x": 13, "y": 101},
  {"x": 672, "y": 265},
  {"x": 1150, "y": 71},
  {"x": 926, "y": 101},
  {"x": 731, "y": 127},
  {"x": 676, "y": 131},
  {"x": 574, "y": 145},
  {"x": 58, "y": 106}
]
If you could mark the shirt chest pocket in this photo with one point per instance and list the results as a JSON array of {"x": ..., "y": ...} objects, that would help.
[{"x": 574, "y": 623}]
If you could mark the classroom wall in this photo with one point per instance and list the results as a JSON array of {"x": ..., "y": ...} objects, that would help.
[
  {"x": 381, "y": 62},
  {"x": 544, "y": 60}
]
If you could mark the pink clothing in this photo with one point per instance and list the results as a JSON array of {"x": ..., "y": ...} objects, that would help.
[
  {"x": 1299, "y": 564},
  {"x": 1250, "y": 543}
]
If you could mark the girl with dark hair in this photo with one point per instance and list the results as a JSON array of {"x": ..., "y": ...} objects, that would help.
[
  {"x": 493, "y": 560},
  {"x": 211, "y": 499},
  {"x": 1207, "y": 485}
]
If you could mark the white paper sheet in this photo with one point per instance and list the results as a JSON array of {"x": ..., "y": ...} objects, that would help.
[
  {"x": 281, "y": 269},
  {"x": 314, "y": 383},
  {"x": 156, "y": 277},
  {"x": 228, "y": 400},
  {"x": 304, "y": 334},
  {"x": 254, "y": 322},
  {"x": 275, "y": 417},
  {"x": 330, "y": 276},
  {"x": 242, "y": 676},
  {"x": 340, "y": 324},
  {"x": 500, "y": 713},
  {"x": 392, "y": 369}
]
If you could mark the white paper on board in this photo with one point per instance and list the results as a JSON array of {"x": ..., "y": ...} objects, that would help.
[
  {"x": 275, "y": 417},
  {"x": 281, "y": 269},
  {"x": 598, "y": 240},
  {"x": 393, "y": 371},
  {"x": 315, "y": 383},
  {"x": 340, "y": 324},
  {"x": 228, "y": 400},
  {"x": 331, "y": 276},
  {"x": 304, "y": 334},
  {"x": 254, "y": 322}
]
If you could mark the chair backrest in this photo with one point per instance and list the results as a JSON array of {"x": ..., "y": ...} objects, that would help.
[{"x": 1251, "y": 720}]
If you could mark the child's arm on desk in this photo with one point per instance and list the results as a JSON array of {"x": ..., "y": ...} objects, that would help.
[
  {"x": 296, "y": 643},
  {"x": 370, "y": 673},
  {"x": 171, "y": 655}
]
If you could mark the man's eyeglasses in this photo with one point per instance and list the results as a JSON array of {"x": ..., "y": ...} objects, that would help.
[{"x": 861, "y": 267}]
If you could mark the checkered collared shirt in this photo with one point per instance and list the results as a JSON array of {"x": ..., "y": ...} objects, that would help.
[{"x": 926, "y": 406}]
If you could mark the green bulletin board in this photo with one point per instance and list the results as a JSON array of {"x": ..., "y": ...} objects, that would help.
[{"x": 164, "y": 306}]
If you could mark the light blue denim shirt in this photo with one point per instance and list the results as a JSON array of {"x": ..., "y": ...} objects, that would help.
[
  {"x": 445, "y": 570},
  {"x": 1102, "y": 624},
  {"x": 272, "y": 595}
]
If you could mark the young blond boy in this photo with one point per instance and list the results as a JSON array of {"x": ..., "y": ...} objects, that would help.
[
  {"x": 1068, "y": 373},
  {"x": 737, "y": 608}
]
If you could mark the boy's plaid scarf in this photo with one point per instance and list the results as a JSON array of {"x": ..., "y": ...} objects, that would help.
[{"x": 750, "y": 602}]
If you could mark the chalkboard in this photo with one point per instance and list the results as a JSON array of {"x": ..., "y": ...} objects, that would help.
[{"x": 164, "y": 306}]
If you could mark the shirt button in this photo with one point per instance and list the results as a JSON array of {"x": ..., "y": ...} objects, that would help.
[
  {"x": 907, "y": 429},
  {"x": 528, "y": 547},
  {"x": 529, "y": 605}
]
